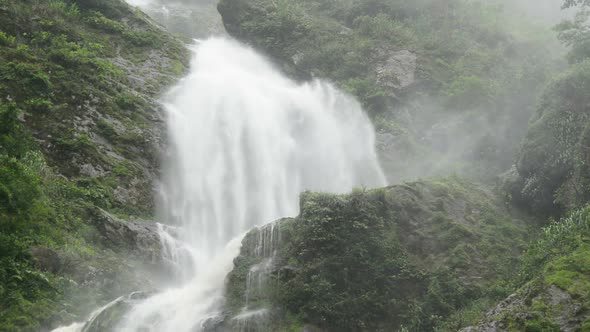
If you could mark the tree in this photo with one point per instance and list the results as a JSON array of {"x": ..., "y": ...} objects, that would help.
[
  {"x": 573, "y": 3},
  {"x": 575, "y": 33}
]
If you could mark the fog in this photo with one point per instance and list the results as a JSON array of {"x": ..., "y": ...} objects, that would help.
[{"x": 547, "y": 12}]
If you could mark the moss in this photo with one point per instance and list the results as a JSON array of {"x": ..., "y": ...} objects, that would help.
[
  {"x": 572, "y": 272},
  {"x": 59, "y": 73},
  {"x": 550, "y": 160},
  {"x": 475, "y": 68},
  {"x": 433, "y": 271},
  {"x": 541, "y": 325}
]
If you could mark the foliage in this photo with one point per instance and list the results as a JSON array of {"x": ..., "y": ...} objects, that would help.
[
  {"x": 56, "y": 68},
  {"x": 386, "y": 258},
  {"x": 572, "y": 3},
  {"x": 576, "y": 34},
  {"x": 344, "y": 250},
  {"x": 555, "y": 268},
  {"x": 557, "y": 240},
  {"x": 552, "y": 156},
  {"x": 468, "y": 65}
]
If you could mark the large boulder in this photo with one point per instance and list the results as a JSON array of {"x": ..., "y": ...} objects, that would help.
[
  {"x": 397, "y": 70},
  {"x": 138, "y": 236},
  {"x": 376, "y": 260}
]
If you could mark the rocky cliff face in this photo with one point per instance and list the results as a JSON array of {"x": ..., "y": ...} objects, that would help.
[
  {"x": 554, "y": 284},
  {"x": 551, "y": 172},
  {"x": 437, "y": 80},
  {"x": 406, "y": 256},
  {"x": 81, "y": 139}
]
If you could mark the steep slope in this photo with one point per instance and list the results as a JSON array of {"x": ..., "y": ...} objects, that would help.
[
  {"x": 552, "y": 169},
  {"x": 555, "y": 282},
  {"x": 80, "y": 135},
  {"x": 448, "y": 87},
  {"x": 404, "y": 257}
]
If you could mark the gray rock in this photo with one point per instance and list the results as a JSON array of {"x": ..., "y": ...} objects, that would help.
[
  {"x": 91, "y": 171},
  {"x": 122, "y": 195},
  {"x": 562, "y": 309},
  {"x": 398, "y": 70},
  {"x": 138, "y": 236}
]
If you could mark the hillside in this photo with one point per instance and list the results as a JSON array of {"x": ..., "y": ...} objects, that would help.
[
  {"x": 450, "y": 85},
  {"x": 81, "y": 134},
  {"x": 422, "y": 256}
]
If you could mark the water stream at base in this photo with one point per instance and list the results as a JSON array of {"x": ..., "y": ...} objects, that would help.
[{"x": 245, "y": 141}]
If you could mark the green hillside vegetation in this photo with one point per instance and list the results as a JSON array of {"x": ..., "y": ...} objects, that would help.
[
  {"x": 405, "y": 257},
  {"x": 478, "y": 71},
  {"x": 57, "y": 69}
]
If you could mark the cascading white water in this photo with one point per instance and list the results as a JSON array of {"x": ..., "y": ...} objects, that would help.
[{"x": 245, "y": 142}]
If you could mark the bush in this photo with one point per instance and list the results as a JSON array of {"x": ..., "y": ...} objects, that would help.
[
  {"x": 343, "y": 250},
  {"x": 19, "y": 186},
  {"x": 69, "y": 10},
  {"x": 99, "y": 21},
  {"x": 558, "y": 239},
  {"x": 551, "y": 160}
]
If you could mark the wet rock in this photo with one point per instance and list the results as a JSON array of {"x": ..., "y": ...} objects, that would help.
[
  {"x": 139, "y": 236},
  {"x": 108, "y": 318},
  {"x": 397, "y": 70},
  {"x": 91, "y": 171},
  {"x": 561, "y": 309}
]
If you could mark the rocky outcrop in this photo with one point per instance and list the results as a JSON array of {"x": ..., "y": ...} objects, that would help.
[
  {"x": 108, "y": 317},
  {"x": 397, "y": 71},
  {"x": 556, "y": 310},
  {"x": 137, "y": 236},
  {"x": 444, "y": 234},
  {"x": 189, "y": 19}
]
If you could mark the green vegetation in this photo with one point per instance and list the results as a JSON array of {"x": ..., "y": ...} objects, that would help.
[
  {"x": 56, "y": 70},
  {"x": 555, "y": 280},
  {"x": 552, "y": 161},
  {"x": 463, "y": 102},
  {"x": 401, "y": 257},
  {"x": 464, "y": 90}
]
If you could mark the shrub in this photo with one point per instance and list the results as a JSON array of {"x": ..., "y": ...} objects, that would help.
[
  {"x": 99, "y": 21},
  {"x": 69, "y": 10},
  {"x": 7, "y": 40},
  {"x": 39, "y": 105}
]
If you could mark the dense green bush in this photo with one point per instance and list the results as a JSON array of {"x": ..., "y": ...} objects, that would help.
[
  {"x": 345, "y": 249},
  {"x": 557, "y": 240},
  {"x": 552, "y": 157},
  {"x": 387, "y": 259},
  {"x": 55, "y": 66}
]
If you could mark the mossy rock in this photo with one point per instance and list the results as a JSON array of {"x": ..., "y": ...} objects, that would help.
[{"x": 381, "y": 259}]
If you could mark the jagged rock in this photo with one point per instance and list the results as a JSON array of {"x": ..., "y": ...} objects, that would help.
[
  {"x": 138, "y": 236},
  {"x": 397, "y": 71},
  {"x": 561, "y": 309},
  {"x": 91, "y": 171},
  {"x": 428, "y": 216},
  {"x": 107, "y": 319},
  {"x": 46, "y": 259}
]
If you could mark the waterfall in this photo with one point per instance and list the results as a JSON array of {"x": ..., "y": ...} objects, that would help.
[{"x": 245, "y": 141}]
